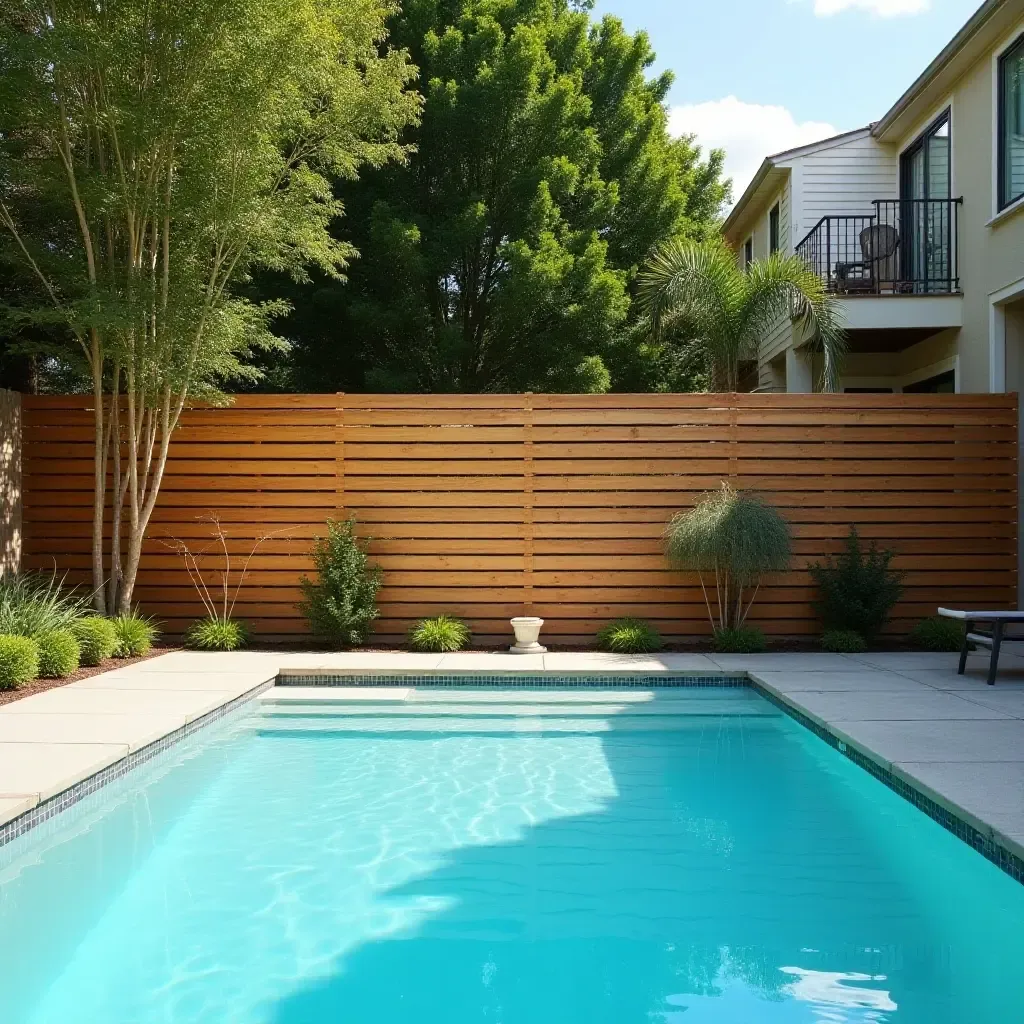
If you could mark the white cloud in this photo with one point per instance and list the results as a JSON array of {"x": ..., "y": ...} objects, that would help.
[
  {"x": 748, "y": 132},
  {"x": 880, "y": 8}
]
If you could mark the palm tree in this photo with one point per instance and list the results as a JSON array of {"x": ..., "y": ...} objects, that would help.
[{"x": 696, "y": 293}]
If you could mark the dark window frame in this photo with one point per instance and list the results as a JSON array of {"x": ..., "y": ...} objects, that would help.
[
  {"x": 774, "y": 221},
  {"x": 1015, "y": 49},
  {"x": 748, "y": 252},
  {"x": 946, "y": 117}
]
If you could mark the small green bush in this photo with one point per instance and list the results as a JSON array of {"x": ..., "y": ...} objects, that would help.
[
  {"x": 938, "y": 634},
  {"x": 97, "y": 639},
  {"x": 843, "y": 641},
  {"x": 441, "y": 634},
  {"x": 341, "y": 603},
  {"x": 217, "y": 635},
  {"x": 857, "y": 590},
  {"x": 745, "y": 640},
  {"x": 629, "y": 636},
  {"x": 59, "y": 653},
  {"x": 135, "y": 635},
  {"x": 19, "y": 661}
]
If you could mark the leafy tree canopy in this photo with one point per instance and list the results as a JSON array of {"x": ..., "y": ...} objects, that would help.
[{"x": 501, "y": 257}]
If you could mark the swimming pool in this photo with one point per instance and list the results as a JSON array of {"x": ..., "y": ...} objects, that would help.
[{"x": 679, "y": 856}]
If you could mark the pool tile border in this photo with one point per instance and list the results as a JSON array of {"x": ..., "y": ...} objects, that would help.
[
  {"x": 982, "y": 842},
  {"x": 516, "y": 681},
  {"x": 52, "y": 806}
]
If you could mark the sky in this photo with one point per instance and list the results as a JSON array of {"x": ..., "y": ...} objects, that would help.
[{"x": 759, "y": 76}]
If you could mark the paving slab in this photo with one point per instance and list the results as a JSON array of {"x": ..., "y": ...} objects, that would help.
[
  {"x": 603, "y": 661},
  {"x": 943, "y": 741},
  {"x": 123, "y": 679},
  {"x": 1010, "y": 701},
  {"x": 131, "y": 731},
  {"x": 879, "y": 706},
  {"x": 947, "y": 679},
  {"x": 12, "y": 806},
  {"x": 810, "y": 662},
  {"x": 187, "y": 704},
  {"x": 992, "y": 792},
  {"x": 861, "y": 681},
  {"x": 470, "y": 661},
  {"x": 897, "y": 661},
  {"x": 41, "y": 770}
]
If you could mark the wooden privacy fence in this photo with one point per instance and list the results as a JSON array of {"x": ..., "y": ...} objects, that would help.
[{"x": 489, "y": 506}]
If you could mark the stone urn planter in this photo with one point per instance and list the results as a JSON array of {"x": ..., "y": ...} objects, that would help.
[{"x": 527, "y": 630}]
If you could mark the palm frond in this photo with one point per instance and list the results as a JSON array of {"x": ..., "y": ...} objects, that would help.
[{"x": 785, "y": 286}]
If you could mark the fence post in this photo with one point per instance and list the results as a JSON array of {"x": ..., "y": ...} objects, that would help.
[
  {"x": 339, "y": 454},
  {"x": 528, "y": 503}
]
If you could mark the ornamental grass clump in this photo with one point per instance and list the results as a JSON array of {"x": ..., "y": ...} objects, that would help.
[
  {"x": 59, "y": 653},
  {"x": 732, "y": 539},
  {"x": 215, "y": 634},
  {"x": 341, "y": 603},
  {"x": 629, "y": 636},
  {"x": 441, "y": 635},
  {"x": 135, "y": 635},
  {"x": 32, "y": 604},
  {"x": 743, "y": 640},
  {"x": 97, "y": 639},
  {"x": 857, "y": 590},
  {"x": 19, "y": 661},
  {"x": 938, "y": 634}
]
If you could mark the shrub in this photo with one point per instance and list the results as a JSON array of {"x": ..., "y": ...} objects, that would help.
[
  {"x": 97, "y": 639},
  {"x": 737, "y": 538},
  {"x": 441, "y": 634},
  {"x": 629, "y": 636},
  {"x": 19, "y": 661},
  {"x": 59, "y": 653},
  {"x": 212, "y": 634},
  {"x": 33, "y": 604},
  {"x": 342, "y": 603},
  {"x": 135, "y": 635},
  {"x": 843, "y": 641},
  {"x": 938, "y": 634},
  {"x": 857, "y": 590},
  {"x": 744, "y": 640}
]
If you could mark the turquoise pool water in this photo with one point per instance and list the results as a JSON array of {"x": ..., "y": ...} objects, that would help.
[{"x": 685, "y": 857}]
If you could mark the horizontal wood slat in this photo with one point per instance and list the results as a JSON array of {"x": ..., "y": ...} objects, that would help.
[{"x": 485, "y": 506}]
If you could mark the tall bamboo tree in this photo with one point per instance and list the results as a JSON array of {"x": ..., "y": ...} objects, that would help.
[
  {"x": 721, "y": 314},
  {"x": 174, "y": 147}
]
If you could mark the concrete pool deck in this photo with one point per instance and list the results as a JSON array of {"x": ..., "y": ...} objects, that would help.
[{"x": 953, "y": 738}]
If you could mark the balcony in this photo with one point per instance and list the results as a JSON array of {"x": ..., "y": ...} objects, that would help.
[{"x": 907, "y": 247}]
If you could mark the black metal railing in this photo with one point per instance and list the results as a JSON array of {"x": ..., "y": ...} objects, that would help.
[{"x": 908, "y": 246}]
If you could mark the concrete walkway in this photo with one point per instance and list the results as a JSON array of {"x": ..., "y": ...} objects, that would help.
[{"x": 953, "y": 737}]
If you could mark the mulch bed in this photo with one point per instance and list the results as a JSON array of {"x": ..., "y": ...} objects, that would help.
[{"x": 40, "y": 685}]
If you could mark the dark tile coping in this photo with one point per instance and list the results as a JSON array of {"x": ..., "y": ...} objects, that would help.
[
  {"x": 47, "y": 809},
  {"x": 515, "y": 681},
  {"x": 984, "y": 843}
]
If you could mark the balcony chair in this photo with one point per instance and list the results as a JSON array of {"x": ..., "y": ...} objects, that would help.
[{"x": 878, "y": 245}]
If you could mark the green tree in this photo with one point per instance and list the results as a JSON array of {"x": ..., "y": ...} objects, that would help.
[
  {"x": 152, "y": 155},
  {"x": 502, "y": 256},
  {"x": 696, "y": 295}
]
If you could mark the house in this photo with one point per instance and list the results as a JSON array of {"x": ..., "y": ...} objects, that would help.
[{"x": 915, "y": 223}]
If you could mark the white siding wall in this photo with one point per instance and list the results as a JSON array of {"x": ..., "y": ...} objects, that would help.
[{"x": 844, "y": 180}]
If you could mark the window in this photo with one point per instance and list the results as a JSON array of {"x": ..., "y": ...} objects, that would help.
[
  {"x": 1011, "y": 124},
  {"x": 773, "y": 229},
  {"x": 748, "y": 252}
]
